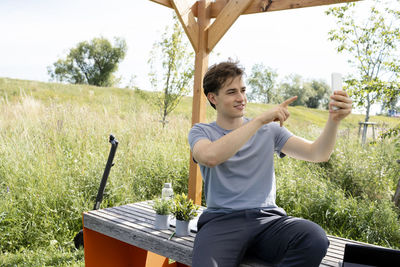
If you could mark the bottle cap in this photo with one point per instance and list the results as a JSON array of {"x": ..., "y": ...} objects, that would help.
[{"x": 167, "y": 185}]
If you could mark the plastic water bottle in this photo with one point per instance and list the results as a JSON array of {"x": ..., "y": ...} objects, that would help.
[{"x": 167, "y": 192}]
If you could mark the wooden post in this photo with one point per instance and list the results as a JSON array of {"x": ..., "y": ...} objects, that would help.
[{"x": 199, "y": 99}]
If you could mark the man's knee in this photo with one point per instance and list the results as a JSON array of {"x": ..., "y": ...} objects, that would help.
[
  {"x": 320, "y": 243},
  {"x": 316, "y": 241}
]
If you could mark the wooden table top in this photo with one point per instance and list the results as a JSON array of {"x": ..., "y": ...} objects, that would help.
[{"x": 133, "y": 224}]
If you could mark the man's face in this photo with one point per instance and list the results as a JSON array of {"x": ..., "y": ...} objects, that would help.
[{"x": 231, "y": 99}]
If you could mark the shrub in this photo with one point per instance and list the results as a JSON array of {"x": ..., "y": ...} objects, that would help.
[
  {"x": 184, "y": 209},
  {"x": 162, "y": 206}
]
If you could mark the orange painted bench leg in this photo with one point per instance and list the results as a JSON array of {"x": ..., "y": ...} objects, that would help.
[{"x": 101, "y": 250}]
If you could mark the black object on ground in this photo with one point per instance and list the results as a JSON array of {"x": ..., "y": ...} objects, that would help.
[{"x": 78, "y": 239}]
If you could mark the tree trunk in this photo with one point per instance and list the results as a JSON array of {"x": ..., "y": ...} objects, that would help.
[
  {"x": 269, "y": 95},
  {"x": 166, "y": 93},
  {"x": 164, "y": 118},
  {"x": 365, "y": 128},
  {"x": 368, "y": 109}
]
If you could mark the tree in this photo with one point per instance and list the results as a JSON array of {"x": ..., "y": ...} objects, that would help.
[
  {"x": 390, "y": 104},
  {"x": 292, "y": 85},
  {"x": 171, "y": 69},
  {"x": 262, "y": 82},
  {"x": 318, "y": 94},
  {"x": 372, "y": 46},
  {"x": 311, "y": 94},
  {"x": 91, "y": 63}
]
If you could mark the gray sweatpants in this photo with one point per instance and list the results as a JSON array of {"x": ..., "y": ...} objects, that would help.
[{"x": 223, "y": 239}]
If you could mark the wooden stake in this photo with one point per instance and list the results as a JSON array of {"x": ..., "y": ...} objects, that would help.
[{"x": 199, "y": 100}]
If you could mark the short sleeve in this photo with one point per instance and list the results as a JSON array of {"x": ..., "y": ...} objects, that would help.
[
  {"x": 196, "y": 134},
  {"x": 281, "y": 135}
]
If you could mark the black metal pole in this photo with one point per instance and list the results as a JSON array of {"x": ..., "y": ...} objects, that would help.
[
  {"x": 78, "y": 239},
  {"x": 100, "y": 193}
]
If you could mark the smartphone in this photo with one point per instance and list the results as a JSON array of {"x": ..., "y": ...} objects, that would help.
[{"x": 336, "y": 84}]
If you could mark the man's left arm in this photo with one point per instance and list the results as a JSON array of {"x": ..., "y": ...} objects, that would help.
[{"x": 321, "y": 149}]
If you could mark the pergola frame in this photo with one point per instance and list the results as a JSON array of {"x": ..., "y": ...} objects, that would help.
[{"x": 195, "y": 17}]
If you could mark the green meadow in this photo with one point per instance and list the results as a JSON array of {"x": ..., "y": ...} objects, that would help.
[{"x": 54, "y": 147}]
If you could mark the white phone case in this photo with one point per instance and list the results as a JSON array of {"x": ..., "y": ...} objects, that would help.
[{"x": 336, "y": 84}]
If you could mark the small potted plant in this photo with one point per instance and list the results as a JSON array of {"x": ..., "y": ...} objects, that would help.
[
  {"x": 162, "y": 207},
  {"x": 184, "y": 210}
]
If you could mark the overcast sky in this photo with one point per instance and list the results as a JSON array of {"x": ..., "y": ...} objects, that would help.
[{"x": 34, "y": 34}]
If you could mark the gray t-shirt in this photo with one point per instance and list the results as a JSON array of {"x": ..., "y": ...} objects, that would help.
[{"x": 247, "y": 179}]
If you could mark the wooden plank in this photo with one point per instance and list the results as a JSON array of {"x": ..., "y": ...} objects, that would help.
[
  {"x": 334, "y": 252},
  {"x": 343, "y": 241},
  {"x": 134, "y": 224},
  {"x": 291, "y": 4},
  {"x": 329, "y": 258},
  {"x": 183, "y": 9},
  {"x": 131, "y": 216},
  {"x": 144, "y": 217},
  {"x": 148, "y": 226},
  {"x": 259, "y": 6},
  {"x": 229, "y": 14}
]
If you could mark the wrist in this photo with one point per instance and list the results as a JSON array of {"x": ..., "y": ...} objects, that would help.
[
  {"x": 258, "y": 121},
  {"x": 334, "y": 119},
  {"x": 334, "y": 124}
]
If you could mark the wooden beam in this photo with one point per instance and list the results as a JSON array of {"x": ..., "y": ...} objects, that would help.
[
  {"x": 229, "y": 14},
  {"x": 166, "y": 3},
  {"x": 199, "y": 99},
  {"x": 183, "y": 9},
  {"x": 258, "y": 6},
  {"x": 277, "y": 5}
]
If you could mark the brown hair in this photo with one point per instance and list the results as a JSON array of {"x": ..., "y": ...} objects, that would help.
[{"x": 218, "y": 74}]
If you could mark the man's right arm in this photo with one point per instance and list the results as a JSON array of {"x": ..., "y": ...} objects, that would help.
[{"x": 210, "y": 154}]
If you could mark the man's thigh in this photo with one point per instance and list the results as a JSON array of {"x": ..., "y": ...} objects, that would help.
[
  {"x": 290, "y": 239},
  {"x": 221, "y": 240}
]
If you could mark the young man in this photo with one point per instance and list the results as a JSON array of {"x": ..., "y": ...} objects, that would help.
[{"x": 235, "y": 155}]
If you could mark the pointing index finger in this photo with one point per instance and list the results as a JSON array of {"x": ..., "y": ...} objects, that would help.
[{"x": 287, "y": 102}]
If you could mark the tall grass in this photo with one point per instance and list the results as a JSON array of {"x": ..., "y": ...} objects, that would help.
[
  {"x": 53, "y": 155},
  {"x": 54, "y": 146},
  {"x": 349, "y": 196}
]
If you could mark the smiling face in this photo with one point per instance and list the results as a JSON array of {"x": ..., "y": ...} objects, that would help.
[{"x": 231, "y": 100}]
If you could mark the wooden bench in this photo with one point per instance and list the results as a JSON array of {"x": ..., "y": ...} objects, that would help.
[{"x": 125, "y": 236}]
